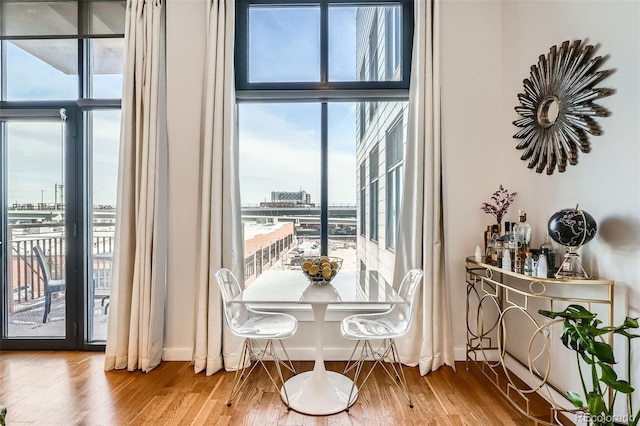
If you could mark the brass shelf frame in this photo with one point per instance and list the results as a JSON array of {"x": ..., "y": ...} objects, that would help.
[{"x": 505, "y": 292}]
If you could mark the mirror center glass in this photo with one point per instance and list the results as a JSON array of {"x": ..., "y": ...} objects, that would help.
[{"x": 548, "y": 111}]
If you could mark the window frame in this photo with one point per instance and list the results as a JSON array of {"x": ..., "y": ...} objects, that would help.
[
  {"x": 323, "y": 91},
  {"x": 79, "y": 195}
]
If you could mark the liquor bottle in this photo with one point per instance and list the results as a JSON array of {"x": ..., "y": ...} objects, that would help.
[
  {"x": 523, "y": 238},
  {"x": 487, "y": 243},
  {"x": 528, "y": 264},
  {"x": 507, "y": 230},
  {"x": 499, "y": 250},
  {"x": 509, "y": 240},
  {"x": 546, "y": 249}
]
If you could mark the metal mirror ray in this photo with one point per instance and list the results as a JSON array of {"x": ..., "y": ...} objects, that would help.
[{"x": 557, "y": 107}]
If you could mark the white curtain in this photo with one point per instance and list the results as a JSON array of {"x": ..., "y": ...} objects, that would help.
[
  {"x": 220, "y": 227},
  {"x": 138, "y": 285},
  {"x": 421, "y": 229}
]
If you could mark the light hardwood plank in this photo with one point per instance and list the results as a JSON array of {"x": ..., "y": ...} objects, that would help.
[{"x": 71, "y": 388}]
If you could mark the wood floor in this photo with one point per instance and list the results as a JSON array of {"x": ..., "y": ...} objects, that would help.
[{"x": 71, "y": 388}]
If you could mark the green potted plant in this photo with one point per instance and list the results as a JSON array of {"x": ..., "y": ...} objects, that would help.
[{"x": 582, "y": 332}]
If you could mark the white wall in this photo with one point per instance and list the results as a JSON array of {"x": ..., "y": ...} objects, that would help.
[
  {"x": 186, "y": 34},
  {"x": 487, "y": 50}
]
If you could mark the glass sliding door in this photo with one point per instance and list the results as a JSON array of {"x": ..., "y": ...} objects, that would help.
[{"x": 36, "y": 285}]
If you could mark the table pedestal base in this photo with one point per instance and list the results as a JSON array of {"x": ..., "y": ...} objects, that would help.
[{"x": 319, "y": 393}]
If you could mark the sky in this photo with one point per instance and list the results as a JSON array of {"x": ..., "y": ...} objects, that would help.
[{"x": 279, "y": 143}]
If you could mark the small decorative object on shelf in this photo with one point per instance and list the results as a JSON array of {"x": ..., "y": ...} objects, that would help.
[
  {"x": 501, "y": 200},
  {"x": 321, "y": 270},
  {"x": 572, "y": 228},
  {"x": 478, "y": 254}
]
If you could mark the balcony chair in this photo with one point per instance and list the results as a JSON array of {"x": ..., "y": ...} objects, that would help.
[
  {"x": 259, "y": 330},
  {"x": 385, "y": 326},
  {"x": 50, "y": 286}
]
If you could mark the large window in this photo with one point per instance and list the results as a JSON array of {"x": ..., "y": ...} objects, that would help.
[
  {"x": 60, "y": 88},
  {"x": 314, "y": 99}
]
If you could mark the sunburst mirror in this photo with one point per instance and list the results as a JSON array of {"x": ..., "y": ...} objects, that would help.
[{"x": 557, "y": 110}]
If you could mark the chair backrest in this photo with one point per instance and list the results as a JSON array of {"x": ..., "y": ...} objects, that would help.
[
  {"x": 44, "y": 267},
  {"x": 408, "y": 289},
  {"x": 235, "y": 314}
]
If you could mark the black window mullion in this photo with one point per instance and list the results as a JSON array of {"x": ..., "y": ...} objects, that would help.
[
  {"x": 324, "y": 180},
  {"x": 406, "y": 42},
  {"x": 241, "y": 57}
]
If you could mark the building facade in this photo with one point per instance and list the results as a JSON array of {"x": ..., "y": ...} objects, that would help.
[{"x": 381, "y": 134}]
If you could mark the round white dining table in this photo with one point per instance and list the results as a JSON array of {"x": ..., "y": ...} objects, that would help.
[{"x": 319, "y": 392}]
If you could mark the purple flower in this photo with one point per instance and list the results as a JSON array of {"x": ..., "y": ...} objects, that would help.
[{"x": 501, "y": 202}]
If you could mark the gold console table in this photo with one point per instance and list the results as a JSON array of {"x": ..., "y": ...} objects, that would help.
[{"x": 505, "y": 333}]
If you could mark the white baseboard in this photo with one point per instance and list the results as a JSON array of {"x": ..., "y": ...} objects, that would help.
[
  {"x": 177, "y": 354},
  {"x": 306, "y": 353}
]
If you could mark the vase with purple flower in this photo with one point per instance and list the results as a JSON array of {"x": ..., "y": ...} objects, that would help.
[{"x": 500, "y": 202}]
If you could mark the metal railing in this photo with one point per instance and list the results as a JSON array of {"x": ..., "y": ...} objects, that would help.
[{"x": 25, "y": 280}]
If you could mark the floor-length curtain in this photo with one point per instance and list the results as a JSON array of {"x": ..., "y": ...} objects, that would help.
[
  {"x": 220, "y": 230},
  {"x": 420, "y": 235},
  {"x": 138, "y": 286}
]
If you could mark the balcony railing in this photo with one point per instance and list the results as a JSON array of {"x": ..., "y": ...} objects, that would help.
[{"x": 25, "y": 279}]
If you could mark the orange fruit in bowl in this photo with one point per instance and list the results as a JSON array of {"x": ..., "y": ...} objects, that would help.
[
  {"x": 314, "y": 270},
  {"x": 326, "y": 272},
  {"x": 306, "y": 265}
]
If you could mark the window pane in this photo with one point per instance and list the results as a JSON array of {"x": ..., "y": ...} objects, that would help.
[
  {"x": 365, "y": 38},
  {"x": 279, "y": 184},
  {"x": 107, "y": 17},
  {"x": 42, "y": 70},
  {"x": 284, "y": 44},
  {"x": 39, "y": 18},
  {"x": 58, "y": 18},
  {"x": 343, "y": 183},
  {"x": 105, "y": 148},
  {"x": 35, "y": 218},
  {"x": 342, "y": 44},
  {"x": 106, "y": 68}
]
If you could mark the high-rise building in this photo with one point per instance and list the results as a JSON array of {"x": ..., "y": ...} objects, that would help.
[{"x": 381, "y": 134}]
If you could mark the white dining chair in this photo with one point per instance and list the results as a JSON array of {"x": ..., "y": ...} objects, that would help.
[
  {"x": 385, "y": 326},
  {"x": 259, "y": 330}
]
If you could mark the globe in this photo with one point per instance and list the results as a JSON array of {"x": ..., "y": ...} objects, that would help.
[{"x": 572, "y": 227}]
